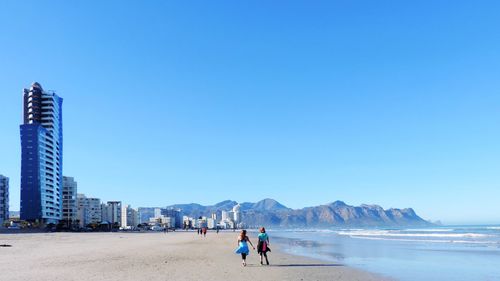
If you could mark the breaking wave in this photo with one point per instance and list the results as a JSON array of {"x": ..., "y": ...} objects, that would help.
[{"x": 388, "y": 233}]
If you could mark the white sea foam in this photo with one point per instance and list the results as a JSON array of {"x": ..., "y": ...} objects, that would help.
[
  {"x": 387, "y": 233},
  {"x": 493, "y": 227},
  {"x": 301, "y": 230},
  {"x": 430, "y": 240},
  {"x": 431, "y": 229}
]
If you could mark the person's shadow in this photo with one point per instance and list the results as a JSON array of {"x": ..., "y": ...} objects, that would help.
[{"x": 307, "y": 265}]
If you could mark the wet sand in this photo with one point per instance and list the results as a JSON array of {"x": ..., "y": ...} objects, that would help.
[{"x": 153, "y": 256}]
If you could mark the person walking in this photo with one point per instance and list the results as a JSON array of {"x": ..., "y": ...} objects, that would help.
[
  {"x": 263, "y": 245},
  {"x": 204, "y": 231},
  {"x": 243, "y": 249}
]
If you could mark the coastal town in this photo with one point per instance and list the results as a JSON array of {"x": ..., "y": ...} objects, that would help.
[{"x": 52, "y": 201}]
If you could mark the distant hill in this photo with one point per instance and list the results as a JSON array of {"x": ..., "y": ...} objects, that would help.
[
  {"x": 263, "y": 205},
  {"x": 271, "y": 213},
  {"x": 340, "y": 214}
]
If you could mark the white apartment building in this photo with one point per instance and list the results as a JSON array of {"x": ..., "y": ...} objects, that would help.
[
  {"x": 112, "y": 212},
  {"x": 211, "y": 223},
  {"x": 88, "y": 210},
  {"x": 132, "y": 217}
]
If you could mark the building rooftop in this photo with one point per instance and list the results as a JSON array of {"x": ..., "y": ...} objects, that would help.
[{"x": 36, "y": 85}]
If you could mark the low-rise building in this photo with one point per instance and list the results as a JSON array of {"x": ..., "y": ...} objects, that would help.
[
  {"x": 211, "y": 223},
  {"x": 112, "y": 212},
  {"x": 146, "y": 213},
  {"x": 175, "y": 214},
  {"x": 88, "y": 210},
  {"x": 132, "y": 217}
]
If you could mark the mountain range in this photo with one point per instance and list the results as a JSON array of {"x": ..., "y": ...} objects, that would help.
[{"x": 271, "y": 213}]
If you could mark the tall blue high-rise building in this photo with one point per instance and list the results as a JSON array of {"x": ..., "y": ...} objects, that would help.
[{"x": 41, "y": 156}]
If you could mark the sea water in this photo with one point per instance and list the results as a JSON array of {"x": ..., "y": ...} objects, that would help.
[{"x": 455, "y": 253}]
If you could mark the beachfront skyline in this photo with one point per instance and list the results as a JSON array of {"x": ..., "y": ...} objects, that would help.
[{"x": 390, "y": 104}]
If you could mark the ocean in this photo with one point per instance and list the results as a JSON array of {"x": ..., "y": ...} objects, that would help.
[{"x": 452, "y": 253}]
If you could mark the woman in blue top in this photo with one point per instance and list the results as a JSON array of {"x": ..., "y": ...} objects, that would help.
[
  {"x": 263, "y": 245},
  {"x": 243, "y": 246}
]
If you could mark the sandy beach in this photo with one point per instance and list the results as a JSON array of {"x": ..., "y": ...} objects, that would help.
[{"x": 153, "y": 256}]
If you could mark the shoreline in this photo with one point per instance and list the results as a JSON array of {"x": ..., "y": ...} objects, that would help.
[{"x": 155, "y": 256}]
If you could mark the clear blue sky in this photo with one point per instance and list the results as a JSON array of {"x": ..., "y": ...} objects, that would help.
[{"x": 389, "y": 102}]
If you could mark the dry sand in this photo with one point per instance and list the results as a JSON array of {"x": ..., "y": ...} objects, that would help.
[{"x": 152, "y": 256}]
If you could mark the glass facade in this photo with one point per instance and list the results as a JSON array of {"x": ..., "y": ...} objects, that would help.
[
  {"x": 4, "y": 199},
  {"x": 41, "y": 156},
  {"x": 69, "y": 209}
]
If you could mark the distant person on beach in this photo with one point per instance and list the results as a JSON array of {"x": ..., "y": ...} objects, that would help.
[
  {"x": 242, "y": 249},
  {"x": 263, "y": 245},
  {"x": 204, "y": 231}
]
